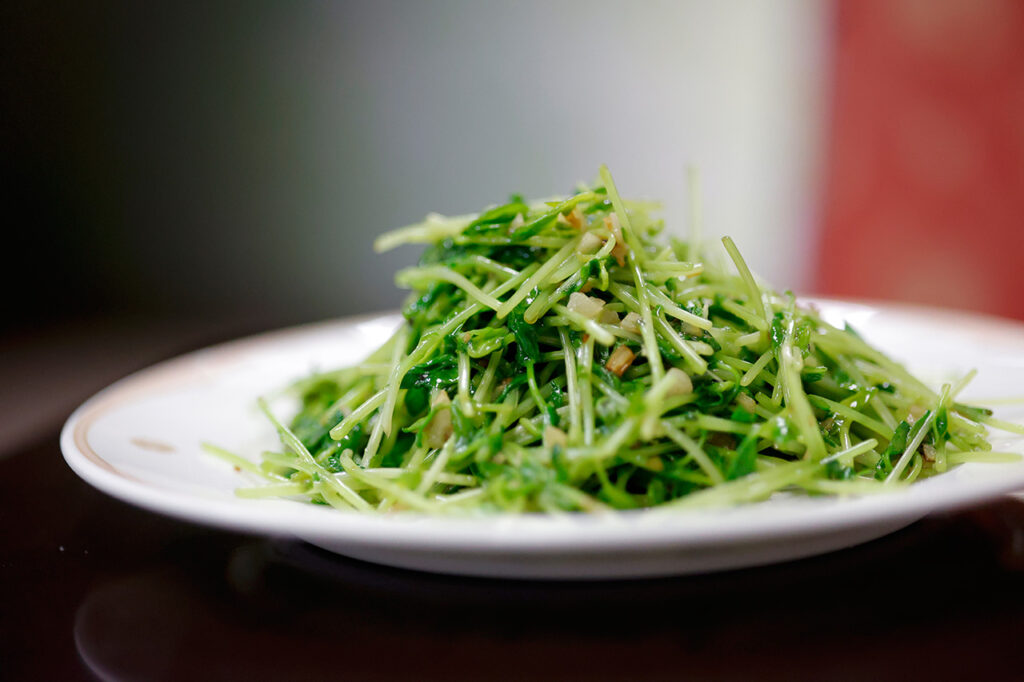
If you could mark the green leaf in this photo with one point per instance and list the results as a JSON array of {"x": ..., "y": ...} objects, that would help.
[
  {"x": 441, "y": 372},
  {"x": 896, "y": 447},
  {"x": 746, "y": 459},
  {"x": 741, "y": 415},
  {"x": 777, "y": 330},
  {"x": 527, "y": 346},
  {"x": 533, "y": 227},
  {"x": 499, "y": 215}
]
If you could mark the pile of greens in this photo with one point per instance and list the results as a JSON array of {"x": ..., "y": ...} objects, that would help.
[{"x": 558, "y": 356}]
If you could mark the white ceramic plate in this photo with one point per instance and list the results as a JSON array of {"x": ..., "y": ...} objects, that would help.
[{"x": 138, "y": 440}]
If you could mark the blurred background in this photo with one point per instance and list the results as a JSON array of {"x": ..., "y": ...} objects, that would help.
[
  {"x": 182, "y": 159},
  {"x": 175, "y": 166}
]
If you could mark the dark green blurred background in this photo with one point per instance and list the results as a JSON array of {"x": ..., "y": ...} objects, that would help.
[{"x": 237, "y": 159}]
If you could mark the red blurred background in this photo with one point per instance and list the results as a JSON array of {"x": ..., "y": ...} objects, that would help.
[{"x": 924, "y": 199}]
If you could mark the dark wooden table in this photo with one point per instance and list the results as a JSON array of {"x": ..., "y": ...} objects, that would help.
[{"x": 93, "y": 588}]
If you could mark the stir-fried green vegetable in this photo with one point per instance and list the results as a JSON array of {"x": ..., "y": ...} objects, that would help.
[{"x": 558, "y": 356}]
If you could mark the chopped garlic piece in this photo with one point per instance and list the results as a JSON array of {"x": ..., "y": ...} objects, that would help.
[
  {"x": 631, "y": 323},
  {"x": 587, "y": 306},
  {"x": 608, "y": 317},
  {"x": 440, "y": 429},
  {"x": 678, "y": 382},
  {"x": 746, "y": 402},
  {"x": 554, "y": 436},
  {"x": 575, "y": 218},
  {"x": 619, "y": 250},
  {"x": 620, "y": 360},
  {"x": 590, "y": 243}
]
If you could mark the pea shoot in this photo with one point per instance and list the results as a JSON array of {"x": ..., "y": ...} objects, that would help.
[{"x": 561, "y": 356}]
